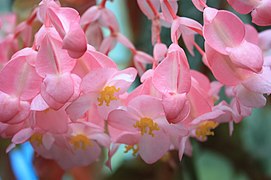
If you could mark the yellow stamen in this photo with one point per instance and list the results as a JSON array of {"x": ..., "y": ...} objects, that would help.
[
  {"x": 204, "y": 129},
  {"x": 145, "y": 123},
  {"x": 80, "y": 141},
  {"x": 134, "y": 148},
  {"x": 36, "y": 138},
  {"x": 107, "y": 95}
]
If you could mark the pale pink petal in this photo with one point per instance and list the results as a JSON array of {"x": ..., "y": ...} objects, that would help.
[
  {"x": 179, "y": 78},
  {"x": 9, "y": 107},
  {"x": 159, "y": 51},
  {"x": 199, "y": 4},
  {"x": 24, "y": 111},
  {"x": 20, "y": 78},
  {"x": 48, "y": 140},
  {"x": 96, "y": 80},
  {"x": 165, "y": 10},
  {"x": 243, "y": 7},
  {"x": 52, "y": 59},
  {"x": 243, "y": 57},
  {"x": 151, "y": 149},
  {"x": 75, "y": 41},
  {"x": 59, "y": 87},
  {"x": 22, "y": 136},
  {"x": 259, "y": 83},
  {"x": 176, "y": 107},
  {"x": 108, "y": 44},
  {"x": 125, "y": 41},
  {"x": 80, "y": 106},
  {"x": 52, "y": 121},
  {"x": 249, "y": 98},
  {"x": 146, "y": 9},
  {"x": 222, "y": 29},
  {"x": 251, "y": 34},
  {"x": 109, "y": 20},
  {"x": 261, "y": 15},
  {"x": 223, "y": 69},
  {"x": 91, "y": 15},
  {"x": 122, "y": 120}
]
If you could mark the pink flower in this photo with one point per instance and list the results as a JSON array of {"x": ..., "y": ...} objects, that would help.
[
  {"x": 172, "y": 79},
  {"x": 66, "y": 23},
  {"x": 259, "y": 10},
  {"x": 144, "y": 128},
  {"x": 102, "y": 87}
]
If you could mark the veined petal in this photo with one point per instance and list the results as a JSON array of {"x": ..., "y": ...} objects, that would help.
[{"x": 222, "y": 29}]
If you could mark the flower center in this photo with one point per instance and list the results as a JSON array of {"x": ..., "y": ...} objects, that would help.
[
  {"x": 36, "y": 138},
  {"x": 107, "y": 95},
  {"x": 204, "y": 129},
  {"x": 80, "y": 141},
  {"x": 134, "y": 148},
  {"x": 145, "y": 124}
]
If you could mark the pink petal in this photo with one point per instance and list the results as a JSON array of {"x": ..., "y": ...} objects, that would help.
[
  {"x": 20, "y": 78},
  {"x": 147, "y": 106},
  {"x": 151, "y": 149},
  {"x": 243, "y": 7},
  {"x": 80, "y": 106},
  {"x": 199, "y": 4},
  {"x": 53, "y": 85},
  {"x": 22, "y": 136},
  {"x": 179, "y": 78},
  {"x": 52, "y": 59},
  {"x": 96, "y": 80},
  {"x": 261, "y": 15},
  {"x": 9, "y": 107},
  {"x": 146, "y": 9},
  {"x": 222, "y": 29},
  {"x": 251, "y": 34},
  {"x": 244, "y": 58},
  {"x": 91, "y": 15},
  {"x": 75, "y": 41},
  {"x": 223, "y": 69},
  {"x": 52, "y": 121},
  {"x": 259, "y": 83},
  {"x": 122, "y": 120},
  {"x": 159, "y": 51},
  {"x": 249, "y": 98},
  {"x": 176, "y": 107},
  {"x": 167, "y": 15}
]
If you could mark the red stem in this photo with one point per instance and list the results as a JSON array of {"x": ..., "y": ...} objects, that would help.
[
  {"x": 170, "y": 9},
  {"x": 102, "y": 5},
  {"x": 199, "y": 49},
  {"x": 152, "y": 8}
]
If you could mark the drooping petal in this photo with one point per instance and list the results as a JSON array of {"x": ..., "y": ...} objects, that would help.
[
  {"x": 52, "y": 121},
  {"x": 146, "y": 9},
  {"x": 247, "y": 56},
  {"x": 222, "y": 29},
  {"x": 249, "y": 98},
  {"x": 223, "y": 69},
  {"x": 179, "y": 78},
  {"x": 19, "y": 78},
  {"x": 243, "y": 7},
  {"x": 80, "y": 106},
  {"x": 52, "y": 59},
  {"x": 151, "y": 149}
]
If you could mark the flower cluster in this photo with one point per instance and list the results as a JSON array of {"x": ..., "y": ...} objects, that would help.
[{"x": 64, "y": 94}]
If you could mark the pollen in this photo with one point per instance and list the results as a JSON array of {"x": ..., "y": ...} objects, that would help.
[
  {"x": 146, "y": 125},
  {"x": 133, "y": 148},
  {"x": 36, "y": 138},
  {"x": 204, "y": 129},
  {"x": 80, "y": 141},
  {"x": 107, "y": 95}
]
